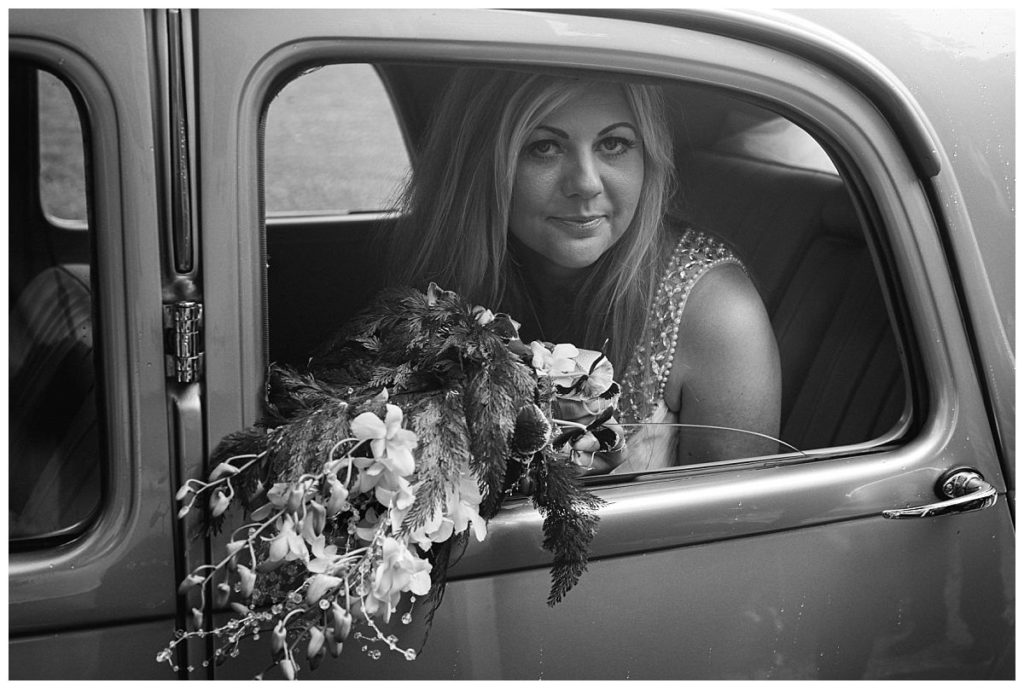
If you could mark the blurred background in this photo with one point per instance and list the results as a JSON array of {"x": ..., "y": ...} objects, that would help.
[{"x": 321, "y": 127}]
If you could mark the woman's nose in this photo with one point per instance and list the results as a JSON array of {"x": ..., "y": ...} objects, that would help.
[{"x": 582, "y": 177}]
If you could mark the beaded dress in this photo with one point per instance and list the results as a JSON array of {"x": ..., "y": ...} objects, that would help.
[{"x": 653, "y": 443}]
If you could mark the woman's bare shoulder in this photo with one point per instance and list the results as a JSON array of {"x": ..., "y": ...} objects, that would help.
[
  {"x": 724, "y": 335},
  {"x": 724, "y": 297}
]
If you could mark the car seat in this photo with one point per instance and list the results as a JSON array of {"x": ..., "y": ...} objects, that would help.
[{"x": 54, "y": 436}]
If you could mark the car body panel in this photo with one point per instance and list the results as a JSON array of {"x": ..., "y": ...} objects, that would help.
[
  {"x": 711, "y": 615},
  {"x": 123, "y": 651},
  {"x": 769, "y": 568},
  {"x": 965, "y": 70}
]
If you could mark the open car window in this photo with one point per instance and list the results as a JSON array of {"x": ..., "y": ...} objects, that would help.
[
  {"x": 747, "y": 175},
  {"x": 333, "y": 144}
]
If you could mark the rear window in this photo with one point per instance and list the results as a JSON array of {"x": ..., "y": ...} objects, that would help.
[
  {"x": 61, "y": 154},
  {"x": 55, "y": 439},
  {"x": 333, "y": 144}
]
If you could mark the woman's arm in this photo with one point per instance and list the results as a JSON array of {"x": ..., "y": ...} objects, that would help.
[{"x": 726, "y": 370}]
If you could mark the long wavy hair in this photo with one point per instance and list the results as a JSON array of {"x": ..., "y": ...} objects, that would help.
[{"x": 452, "y": 226}]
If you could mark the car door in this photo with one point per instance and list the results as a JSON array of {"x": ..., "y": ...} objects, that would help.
[
  {"x": 777, "y": 567},
  {"x": 92, "y": 590}
]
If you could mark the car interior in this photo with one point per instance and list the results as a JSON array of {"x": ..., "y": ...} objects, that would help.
[{"x": 746, "y": 175}]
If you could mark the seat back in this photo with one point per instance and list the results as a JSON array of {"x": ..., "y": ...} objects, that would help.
[
  {"x": 54, "y": 443},
  {"x": 318, "y": 277}
]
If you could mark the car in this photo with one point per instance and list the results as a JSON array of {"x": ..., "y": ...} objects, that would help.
[{"x": 194, "y": 198}]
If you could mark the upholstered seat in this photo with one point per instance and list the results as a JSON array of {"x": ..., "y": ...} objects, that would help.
[{"x": 54, "y": 435}]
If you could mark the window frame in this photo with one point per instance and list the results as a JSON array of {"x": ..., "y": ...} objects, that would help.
[{"x": 875, "y": 239}]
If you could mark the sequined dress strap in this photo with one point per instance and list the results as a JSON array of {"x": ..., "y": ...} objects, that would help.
[{"x": 643, "y": 382}]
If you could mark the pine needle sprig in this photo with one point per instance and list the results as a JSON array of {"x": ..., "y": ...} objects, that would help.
[
  {"x": 495, "y": 392},
  {"x": 289, "y": 393},
  {"x": 489, "y": 420},
  {"x": 442, "y": 452},
  {"x": 570, "y": 522},
  {"x": 306, "y": 439}
]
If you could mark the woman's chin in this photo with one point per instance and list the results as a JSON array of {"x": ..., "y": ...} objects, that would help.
[
  {"x": 580, "y": 257},
  {"x": 568, "y": 257}
]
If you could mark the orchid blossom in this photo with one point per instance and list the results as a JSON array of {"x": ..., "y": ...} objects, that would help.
[
  {"x": 391, "y": 444},
  {"x": 558, "y": 362},
  {"x": 399, "y": 570},
  {"x": 287, "y": 545}
]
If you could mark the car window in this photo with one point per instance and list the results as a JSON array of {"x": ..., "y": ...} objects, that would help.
[
  {"x": 773, "y": 139},
  {"x": 772, "y": 192},
  {"x": 747, "y": 175},
  {"x": 55, "y": 439},
  {"x": 332, "y": 144},
  {"x": 61, "y": 154}
]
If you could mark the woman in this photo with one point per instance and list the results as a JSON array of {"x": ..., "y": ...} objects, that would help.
[{"x": 547, "y": 196}]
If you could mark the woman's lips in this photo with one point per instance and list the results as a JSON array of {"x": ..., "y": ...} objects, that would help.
[{"x": 580, "y": 223}]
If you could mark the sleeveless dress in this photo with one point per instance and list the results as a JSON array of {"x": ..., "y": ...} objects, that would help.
[{"x": 652, "y": 442}]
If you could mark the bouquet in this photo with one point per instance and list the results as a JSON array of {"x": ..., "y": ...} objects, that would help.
[{"x": 374, "y": 466}]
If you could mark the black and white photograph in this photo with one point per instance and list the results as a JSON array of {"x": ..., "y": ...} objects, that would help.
[{"x": 568, "y": 344}]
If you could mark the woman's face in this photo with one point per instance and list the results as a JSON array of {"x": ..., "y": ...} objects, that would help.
[{"x": 578, "y": 180}]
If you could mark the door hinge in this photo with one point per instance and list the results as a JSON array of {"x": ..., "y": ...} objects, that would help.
[{"x": 183, "y": 325}]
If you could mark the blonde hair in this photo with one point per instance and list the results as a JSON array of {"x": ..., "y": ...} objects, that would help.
[{"x": 453, "y": 225}]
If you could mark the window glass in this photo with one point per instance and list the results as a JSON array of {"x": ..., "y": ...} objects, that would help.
[
  {"x": 773, "y": 139},
  {"x": 61, "y": 154},
  {"x": 55, "y": 440},
  {"x": 333, "y": 144}
]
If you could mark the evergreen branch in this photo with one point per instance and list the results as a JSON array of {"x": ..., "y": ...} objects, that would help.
[
  {"x": 305, "y": 441},
  {"x": 570, "y": 521},
  {"x": 442, "y": 451}
]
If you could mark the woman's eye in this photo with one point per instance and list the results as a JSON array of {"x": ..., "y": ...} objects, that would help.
[
  {"x": 545, "y": 148},
  {"x": 615, "y": 145}
]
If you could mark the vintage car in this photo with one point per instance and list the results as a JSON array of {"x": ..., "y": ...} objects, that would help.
[{"x": 233, "y": 165}]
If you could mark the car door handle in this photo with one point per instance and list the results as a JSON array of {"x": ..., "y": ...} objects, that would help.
[{"x": 965, "y": 489}]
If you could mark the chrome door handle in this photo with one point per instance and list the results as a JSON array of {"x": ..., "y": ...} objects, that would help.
[{"x": 966, "y": 489}]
